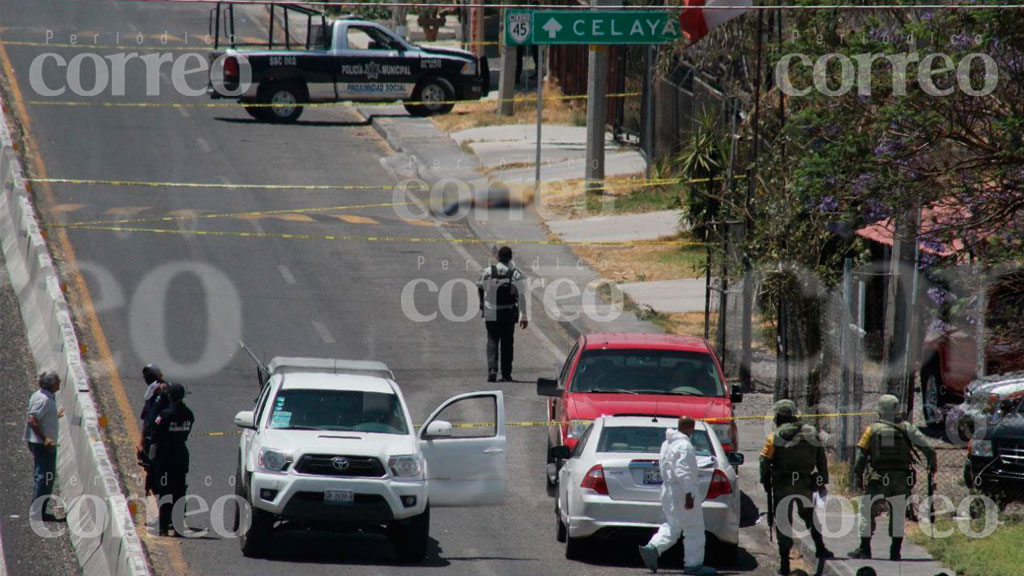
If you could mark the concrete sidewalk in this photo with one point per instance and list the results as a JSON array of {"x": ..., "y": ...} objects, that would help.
[
  {"x": 619, "y": 228},
  {"x": 505, "y": 148},
  {"x": 916, "y": 560}
]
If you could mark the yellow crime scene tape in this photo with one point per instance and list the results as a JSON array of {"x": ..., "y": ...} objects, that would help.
[
  {"x": 381, "y": 239},
  {"x": 342, "y": 104},
  {"x": 178, "y": 46},
  {"x": 546, "y": 423}
]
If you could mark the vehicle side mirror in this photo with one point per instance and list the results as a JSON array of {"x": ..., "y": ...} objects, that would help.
[
  {"x": 548, "y": 387},
  {"x": 246, "y": 419},
  {"x": 438, "y": 429},
  {"x": 735, "y": 458},
  {"x": 737, "y": 392},
  {"x": 559, "y": 453}
]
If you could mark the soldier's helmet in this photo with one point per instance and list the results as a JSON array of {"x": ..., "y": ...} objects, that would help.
[
  {"x": 888, "y": 406},
  {"x": 784, "y": 408}
]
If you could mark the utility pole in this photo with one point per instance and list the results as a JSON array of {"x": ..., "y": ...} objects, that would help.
[
  {"x": 506, "y": 77},
  {"x": 597, "y": 108},
  {"x": 746, "y": 358}
]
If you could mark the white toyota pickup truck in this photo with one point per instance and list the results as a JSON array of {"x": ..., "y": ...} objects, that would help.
[{"x": 330, "y": 444}]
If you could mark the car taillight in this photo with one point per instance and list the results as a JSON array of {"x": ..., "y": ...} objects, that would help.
[
  {"x": 594, "y": 480},
  {"x": 720, "y": 485},
  {"x": 231, "y": 67}
]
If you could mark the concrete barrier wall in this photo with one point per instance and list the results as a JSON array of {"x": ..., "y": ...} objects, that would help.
[{"x": 98, "y": 519}]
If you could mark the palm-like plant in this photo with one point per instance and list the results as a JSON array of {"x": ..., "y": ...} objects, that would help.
[{"x": 703, "y": 161}]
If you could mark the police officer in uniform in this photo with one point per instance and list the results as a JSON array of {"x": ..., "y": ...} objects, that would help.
[
  {"x": 154, "y": 402},
  {"x": 170, "y": 433},
  {"x": 794, "y": 467},
  {"x": 887, "y": 449}
]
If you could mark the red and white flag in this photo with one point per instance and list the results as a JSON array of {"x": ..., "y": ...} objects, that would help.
[{"x": 699, "y": 16}]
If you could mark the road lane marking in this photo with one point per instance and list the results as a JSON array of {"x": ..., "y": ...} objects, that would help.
[
  {"x": 351, "y": 219},
  {"x": 289, "y": 278},
  {"x": 324, "y": 333},
  {"x": 65, "y": 208},
  {"x": 125, "y": 210},
  {"x": 83, "y": 303},
  {"x": 184, "y": 113},
  {"x": 203, "y": 144},
  {"x": 189, "y": 214}
]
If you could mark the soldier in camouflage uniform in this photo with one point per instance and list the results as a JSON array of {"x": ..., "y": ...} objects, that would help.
[
  {"x": 794, "y": 467},
  {"x": 887, "y": 449}
]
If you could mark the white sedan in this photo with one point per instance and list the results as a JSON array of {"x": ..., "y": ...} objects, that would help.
[{"x": 610, "y": 485}]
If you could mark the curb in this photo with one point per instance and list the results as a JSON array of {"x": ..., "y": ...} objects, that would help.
[{"x": 100, "y": 524}]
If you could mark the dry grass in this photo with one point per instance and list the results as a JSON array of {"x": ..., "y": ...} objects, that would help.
[
  {"x": 557, "y": 110},
  {"x": 643, "y": 263}
]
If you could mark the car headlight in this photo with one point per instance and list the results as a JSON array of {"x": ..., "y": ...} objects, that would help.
[
  {"x": 469, "y": 68},
  {"x": 577, "y": 428},
  {"x": 982, "y": 448},
  {"x": 724, "y": 432},
  {"x": 274, "y": 460},
  {"x": 407, "y": 466}
]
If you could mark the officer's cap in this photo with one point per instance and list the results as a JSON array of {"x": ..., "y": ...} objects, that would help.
[
  {"x": 888, "y": 405},
  {"x": 176, "y": 391},
  {"x": 784, "y": 408}
]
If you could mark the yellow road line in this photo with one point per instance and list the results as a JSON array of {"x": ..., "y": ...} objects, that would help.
[
  {"x": 188, "y": 214},
  {"x": 86, "y": 309},
  {"x": 353, "y": 238}
]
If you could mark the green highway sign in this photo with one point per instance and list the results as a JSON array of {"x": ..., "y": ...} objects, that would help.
[{"x": 589, "y": 27}]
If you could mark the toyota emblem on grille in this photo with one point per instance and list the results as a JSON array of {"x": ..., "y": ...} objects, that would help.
[{"x": 340, "y": 463}]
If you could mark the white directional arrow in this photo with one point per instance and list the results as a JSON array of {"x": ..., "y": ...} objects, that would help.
[{"x": 552, "y": 27}]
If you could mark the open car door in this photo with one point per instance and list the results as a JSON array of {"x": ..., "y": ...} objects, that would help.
[{"x": 464, "y": 444}]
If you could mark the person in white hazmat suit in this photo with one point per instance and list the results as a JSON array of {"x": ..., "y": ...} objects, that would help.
[{"x": 681, "y": 501}]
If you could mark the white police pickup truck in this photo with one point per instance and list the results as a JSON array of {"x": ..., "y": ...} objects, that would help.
[
  {"x": 330, "y": 445},
  {"x": 310, "y": 59}
]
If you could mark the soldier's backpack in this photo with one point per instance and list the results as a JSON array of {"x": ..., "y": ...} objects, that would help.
[{"x": 502, "y": 294}]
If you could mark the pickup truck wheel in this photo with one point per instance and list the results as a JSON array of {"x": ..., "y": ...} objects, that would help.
[
  {"x": 410, "y": 540},
  {"x": 432, "y": 96},
  {"x": 285, "y": 98},
  {"x": 254, "y": 540},
  {"x": 257, "y": 112}
]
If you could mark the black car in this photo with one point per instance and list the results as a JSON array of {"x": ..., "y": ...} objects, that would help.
[
  {"x": 315, "y": 60},
  {"x": 995, "y": 462}
]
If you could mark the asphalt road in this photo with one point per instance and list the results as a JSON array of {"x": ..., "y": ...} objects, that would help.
[{"x": 183, "y": 300}]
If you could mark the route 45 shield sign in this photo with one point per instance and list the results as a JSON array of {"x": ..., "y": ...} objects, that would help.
[{"x": 518, "y": 26}]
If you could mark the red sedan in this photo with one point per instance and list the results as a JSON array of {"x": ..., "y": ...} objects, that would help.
[{"x": 617, "y": 374}]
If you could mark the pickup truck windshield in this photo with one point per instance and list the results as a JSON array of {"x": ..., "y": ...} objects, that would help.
[
  {"x": 337, "y": 410},
  {"x": 646, "y": 440},
  {"x": 647, "y": 372}
]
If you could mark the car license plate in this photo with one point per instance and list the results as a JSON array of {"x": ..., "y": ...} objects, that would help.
[
  {"x": 652, "y": 476},
  {"x": 339, "y": 496}
]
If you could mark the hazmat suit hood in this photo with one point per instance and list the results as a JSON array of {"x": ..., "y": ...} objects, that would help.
[{"x": 673, "y": 435}]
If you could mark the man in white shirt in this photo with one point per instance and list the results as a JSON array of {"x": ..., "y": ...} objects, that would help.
[{"x": 41, "y": 436}]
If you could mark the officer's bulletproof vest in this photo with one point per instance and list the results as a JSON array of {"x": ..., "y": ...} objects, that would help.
[
  {"x": 795, "y": 450},
  {"x": 890, "y": 447}
]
